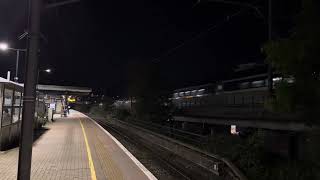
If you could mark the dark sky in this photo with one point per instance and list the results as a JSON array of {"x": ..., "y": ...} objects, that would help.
[{"x": 91, "y": 43}]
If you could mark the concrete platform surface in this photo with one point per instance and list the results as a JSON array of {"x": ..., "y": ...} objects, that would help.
[{"x": 76, "y": 147}]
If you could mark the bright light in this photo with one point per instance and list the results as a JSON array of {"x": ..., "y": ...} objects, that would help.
[
  {"x": 277, "y": 79},
  {"x": 48, "y": 70},
  {"x": 233, "y": 130},
  {"x": 4, "y": 46},
  {"x": 71, "y": 99}
]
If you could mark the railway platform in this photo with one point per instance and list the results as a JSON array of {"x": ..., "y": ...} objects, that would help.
[{"x": 76, "y": 147}]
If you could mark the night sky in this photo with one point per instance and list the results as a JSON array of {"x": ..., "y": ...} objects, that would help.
[{"x": 91, "y": 43}]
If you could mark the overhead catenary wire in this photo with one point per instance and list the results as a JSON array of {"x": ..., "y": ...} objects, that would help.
[{"x": 209, "y": 29}]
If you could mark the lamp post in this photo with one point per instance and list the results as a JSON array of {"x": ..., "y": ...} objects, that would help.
[
  {"x": 270, "y": 72},
  {"x": 5, "y": 47}
]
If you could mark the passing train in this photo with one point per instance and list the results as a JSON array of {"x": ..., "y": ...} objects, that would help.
[
  {"x": 245, "y": 90},
  {"x": 11, "y": 94},
  {"x": 239, "y": 91},
  {"x": 245, "y": 98},
  {"x": 248, "y": 86}
]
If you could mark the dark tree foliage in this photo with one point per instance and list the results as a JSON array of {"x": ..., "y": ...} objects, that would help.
[
  {"x": 298, "y": 57},
  {"x": 147, "y": 89}
]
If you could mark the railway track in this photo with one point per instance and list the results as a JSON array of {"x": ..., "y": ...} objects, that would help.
[{"x": 122, "y": 135}]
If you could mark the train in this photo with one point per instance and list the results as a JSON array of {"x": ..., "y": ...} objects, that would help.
[
  {"x": 239, "y": 91},
  {"x": 248, "y": 86}
]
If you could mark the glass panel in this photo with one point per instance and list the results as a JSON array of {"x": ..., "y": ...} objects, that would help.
[
  {"x": 20, "y": 113},
  {"x": 8, "y": 97},
  {"x": 17, "y": 98},
  {"x": 6, "y": 116},
  {"x": 1, "y": 101},
  {"x": 36, "y": 109},
  {"x": 15, "y": 116}
]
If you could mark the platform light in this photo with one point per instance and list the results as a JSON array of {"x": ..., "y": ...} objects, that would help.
[
  {"x": 48, "y": 70},
  {"x": 4, "y": 46},
  {"x": 233, "y": 130},
  {"x": 277, "y": 79},
  {"x": 71, "y": 99}
]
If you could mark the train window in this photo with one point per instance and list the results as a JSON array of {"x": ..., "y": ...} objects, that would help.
[
  {"x": 17, "y": 98},
  {"x": 194, "y": 93},
  {"x": 200, "y": 92},
  {"x": 15, "y": 116},
  {"x": 187, "y": 93},
  {"x": 258, "y": 83},
  {"x": 8, "y": 93},
  {"x": 244, "y": 85}
]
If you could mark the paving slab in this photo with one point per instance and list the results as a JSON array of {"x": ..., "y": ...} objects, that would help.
[{"x": 75, "y": 147}]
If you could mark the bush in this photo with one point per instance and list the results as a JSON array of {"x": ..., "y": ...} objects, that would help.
[
  {"x": 82, "y": 108},
  {"x": 121, "y": 114},
  {"x": 97, "y": 110}
]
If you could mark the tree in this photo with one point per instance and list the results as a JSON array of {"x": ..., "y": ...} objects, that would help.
[
  {"x": 298, "y": 57},
  {"x": 148, "y": 90}
]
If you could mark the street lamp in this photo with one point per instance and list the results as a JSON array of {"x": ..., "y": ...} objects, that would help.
[
  {"x": 48, "y": 70},
  {"x": 5, "y": 47}
]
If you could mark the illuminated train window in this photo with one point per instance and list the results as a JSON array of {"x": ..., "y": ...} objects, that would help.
[
  {"x": 194, "y": 92},
  {"x": 244, "y": 85},
  {"x": 187, "y": 93},
  {"x": 201, "y": 91},
  {"x": 257, "y": 83}
]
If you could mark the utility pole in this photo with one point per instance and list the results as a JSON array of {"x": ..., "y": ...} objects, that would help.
[
  {"x": 270, "y": 74},
  {"x": 17, "y": 67},
  {"x": 248, "y": 5},
  {"x": 30, "y": 82},
  {"x": 31, "y": 69}
]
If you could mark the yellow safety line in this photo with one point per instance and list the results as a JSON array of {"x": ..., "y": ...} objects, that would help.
[{"x": 93, "y": 172}]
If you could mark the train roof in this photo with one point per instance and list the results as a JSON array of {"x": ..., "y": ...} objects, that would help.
[{"x": 190, "y": 88}]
